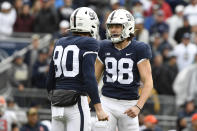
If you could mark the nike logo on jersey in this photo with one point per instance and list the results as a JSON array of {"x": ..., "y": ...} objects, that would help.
[
  {"x": 107, "y": 53},
  {"x": 127, "y": 54}
]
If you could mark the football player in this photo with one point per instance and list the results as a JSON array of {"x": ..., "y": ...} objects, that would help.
[
  {"x": 72, "y": 77},
  {"x": 123, "y": 62}
]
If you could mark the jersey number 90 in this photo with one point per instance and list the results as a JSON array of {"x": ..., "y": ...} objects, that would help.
[
  {"x": 117, "y": 70},
  {"x": 60, "y": 58}
]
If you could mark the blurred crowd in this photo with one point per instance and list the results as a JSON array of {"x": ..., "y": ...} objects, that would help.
[{"x": 169, "y": 27}]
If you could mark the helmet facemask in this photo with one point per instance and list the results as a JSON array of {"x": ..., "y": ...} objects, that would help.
[{"x": 124, "y": 18}]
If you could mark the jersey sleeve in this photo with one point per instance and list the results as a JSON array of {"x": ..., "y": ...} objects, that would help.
[
  {"x": 90, "y": 52},
  {"x": 101, "y": 53},
  {"x": 143, "y": 52},
  {"x": 91, "y": 47},
  {"x": 88, "y": 70},
  {"x": 50, "y": 81}
]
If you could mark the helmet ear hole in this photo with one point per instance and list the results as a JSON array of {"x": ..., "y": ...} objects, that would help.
[
  {"x": 130, "y": 28},
  {"x": 93, "y": 27}
]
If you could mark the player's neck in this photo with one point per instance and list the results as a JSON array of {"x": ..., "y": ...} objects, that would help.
[{"x": 122, "y": 45}]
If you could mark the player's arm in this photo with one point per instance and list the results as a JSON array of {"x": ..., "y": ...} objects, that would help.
[
  {"x": 50, "y": 81},
  {"x": 143, "y": 56},
  {"x": 91, "y": 84},
  {"x": 146, "y": 78},
  {"x": 99, "y": 67}
]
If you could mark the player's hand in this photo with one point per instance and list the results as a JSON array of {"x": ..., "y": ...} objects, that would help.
[
  {"x": 102, "y": 116},
  {"x": 132, "y": 112}
]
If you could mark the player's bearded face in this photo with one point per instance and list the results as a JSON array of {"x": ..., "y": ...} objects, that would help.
[{"x": 115, "y": 30}]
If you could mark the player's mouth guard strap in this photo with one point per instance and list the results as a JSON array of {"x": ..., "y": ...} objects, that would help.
[{"x": 81, "y": 114}]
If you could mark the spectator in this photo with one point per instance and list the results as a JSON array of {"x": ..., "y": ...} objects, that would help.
[
  {"x": 137, "y": 8},
  {"x": 146, "y": 5},
  {"x": 185, "y": 85},
  {"x": 163, "y": 78},
  {"x": 173, "y": 69},
  {"x": 150, "y": 122},
  {"x": 181, "y": 123},
  {"x": 7, "y": 117},
  {"x": 173, "y": 19},
  {"x": 150, "y": 20},
  {"x": 63, "y": 30},
  {"x": 195, "y": 61},
  {"x": 37, "y": 5},
  {"x": 32, "y": 54},
  {"x": 47, "y": 123},
  {"x": 18, "y": 74},
  {"x": 141, "y": 33},
  {"x": 185, "y": 52},
  {"x": 18, "y": 4},
  {"x": 191, "y": 12},
  {"x": 168, "y": 74},
  {"x": 24, "y": 21},
  {"x": 164, "y": 7},
  {"x": 155, "y": 44},
  {"x": 66, "y": 10},
  {"x": 11, "y": 104},
  {"x": 102, "y": 28},
  {"x": 40, "y": 69},
  {"x": 47, "y": 19},
  {"x": 115, "y": 4},
  {"x": 159, "y": 24},
  {"x": 15, "y": 127},
  {"x": 7, "y": 19},
  {"x": 58, "y": 3},
  {"x": 141, "y": 121},
  {"x": 194, "y": 34},
  {"x": 166, "y": 40},
  {"x": 180, "y": 31},
  {"x": 158, "y": 72},
  {"x": 193, "y": 127},
  {"x": 77, "y": 3},
  {"x": 188, "y": 110},
  {"x": 33, "y": 123},
  {"x": 165, "y": 52}
]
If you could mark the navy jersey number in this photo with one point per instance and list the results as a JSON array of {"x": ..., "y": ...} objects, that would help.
[
  {"x": 117, "y": 70},
  {"x": 60, "y": 58}
]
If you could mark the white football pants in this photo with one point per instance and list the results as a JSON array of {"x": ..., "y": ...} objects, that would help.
[
  {"x": 117, "y": 119},
  {"x": 72, "y": 118}
]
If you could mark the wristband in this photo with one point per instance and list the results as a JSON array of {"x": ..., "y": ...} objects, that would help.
[{"x": 138, "y": 107}]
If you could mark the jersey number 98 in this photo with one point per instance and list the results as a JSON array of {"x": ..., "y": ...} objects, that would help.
[{"x": 117, "y": 70}]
